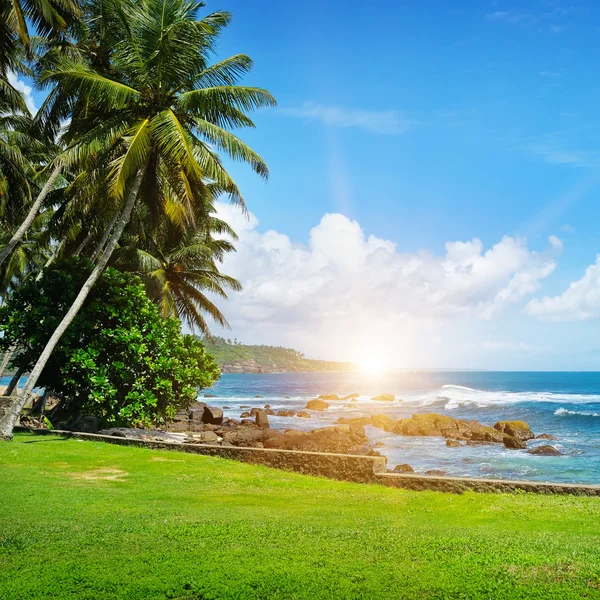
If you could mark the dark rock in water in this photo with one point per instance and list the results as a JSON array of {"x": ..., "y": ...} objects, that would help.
[
  {"x": 352, "y": 397},
  {"x": 328, "y": 397},
  {"x": 474, "y": 444},
  {"x": 403, "y": 469},
  {"x": 453, "y": 444},
  {"x": 262, "y": 420},
  {"x": 286, "y": 396},
  {"x": 544, "y": 451},
  {"x": 379, "y": 444},
  {"x": 303, "y": 415},
  {"x": 317, "y": 405},
  {"x": 384, "y": 398},
  {"x": 85, "y": 424},
  {"x": 517, "y": 429},
  {"x": 212, "y": 415},
  {"x": 267, "y": 406},
  {"x": 258, "y": 396},
  {"x": 269, "y": 412},
  {"x": 436, "y": 472},
  {"x": 546, "y": 436},
  {"x": 210, "y": 395},
  {"x": 244, "y": 415},
  {"x": 514, "y": 443},
  {"x": 244, "y": 406},
  {"x": 227, "y": 408}
]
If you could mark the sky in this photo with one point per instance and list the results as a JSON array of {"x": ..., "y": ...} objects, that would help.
[{"x": 434, "y": 187}]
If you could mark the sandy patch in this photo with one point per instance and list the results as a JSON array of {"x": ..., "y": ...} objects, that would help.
[{"x": 101, "y": 475}]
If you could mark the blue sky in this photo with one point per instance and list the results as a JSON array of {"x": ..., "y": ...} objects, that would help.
[{"x": 423, "y": 124}]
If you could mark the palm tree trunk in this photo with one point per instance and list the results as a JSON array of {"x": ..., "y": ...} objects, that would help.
[
  {"x": 84, "y": 243},
  {"x": 20, "y": 233},
  {"x": 7, "y": 422},
  {"x": 13, "y": 384},
  {"x": 51, "y": 259},
  {"x": 100, "y": 246},
  {"x": 5, "y": 360}
]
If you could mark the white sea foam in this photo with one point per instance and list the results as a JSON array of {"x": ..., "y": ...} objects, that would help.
[
  {"x": 455, "y": 396},
  {"x": 563, "y": 412}
]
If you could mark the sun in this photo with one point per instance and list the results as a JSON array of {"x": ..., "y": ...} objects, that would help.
[{"x": 372, "y": 363}]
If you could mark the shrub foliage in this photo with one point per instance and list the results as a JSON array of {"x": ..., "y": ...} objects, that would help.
[{"x": 119, "y": 360}]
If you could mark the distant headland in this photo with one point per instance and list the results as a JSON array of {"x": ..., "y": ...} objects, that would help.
[{"x": 235, "y": 357}]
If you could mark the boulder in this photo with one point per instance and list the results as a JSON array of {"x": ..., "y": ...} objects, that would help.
[
  {"x": 258, "y": 396},
  {"x": 384, "y": 398},
  {"x": 212, "y": 415},
  {"x": 544, "y": 451},
  {"x": 438, "y": 472},
  {"x": 209, "y": 437},
  {"x": 379, "y": 444},
  {"x": 210, "y": 395},
  {"x": 518, "y": 429},
  {"x": 254, "y": 412},
  {"x": 546, "y": 436},
  {"x": 317, "y": 405},
  {"x": 269, "y": 412},
  {"x": 352, "y": 397},
  {"x": 403, "y": 469},
  {"x": 262, "y": 420},
  {"x": 85, "y": 424},
  {"x": 328, "y": 397},
  {"x": 453, "y": 444},
  {"x": 244, "y": 415},
  {"x": 303, "y": 415},
  {"x": 514, "y": 443}
]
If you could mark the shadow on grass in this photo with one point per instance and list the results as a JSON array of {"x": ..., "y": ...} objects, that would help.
[{"x": 47, "y": 440}]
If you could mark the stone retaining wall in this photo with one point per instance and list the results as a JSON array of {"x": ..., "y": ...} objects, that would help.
[{"x": 360, "y": 469}]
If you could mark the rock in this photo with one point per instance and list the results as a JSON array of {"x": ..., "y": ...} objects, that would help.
[
  {"x": 317, "y": 405},
  {"x": 353, "y": 396},
  {"x": 258, "y": 396},
  {"x": 514, "y": 443},
  {"x": 262, "y": 420},
  {"x": 254, "y": 412},
  {"x": 518, "y": 429},
  {"x": 303, "y": 415},
  {"x": 244, "y": 406},
  {"x": 438, "y": 472},
  {"x": 248, "y": 421},
  {"x": 349, "y": 406},
  {"x": 384, "y": 398},
  {"x": 212, "y": 415},
  {"x": 379, "y": 444},
  {"x": 210, "y": 395},
  {"x": 85, "y": 424},
  {"x": 227, "y": 408},
  {"x": 269, "y": 412},
  {"x": 453, "y": 444},
  {"x": 118, "y": 434},
  {"x": 544, "y": 451},
  {"x": 267, "y": 406},
  {"x": 286, "y": 396},
  {"x": 328, "y": 397},
  {"x": 546, "y": 436},
  {"x": 244, "y": 415},
  {"x": 403, "y": 469}
]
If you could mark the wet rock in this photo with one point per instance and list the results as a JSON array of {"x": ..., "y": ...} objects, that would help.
[
  {"x": 317, "y": 405},
  {"x": 244, "y": 406},
  {"x": 453, "y": 444},
  {"x": 269, "y": 412},
  {"x": 303, "y": 415},
  {"x": 254, "y": 412},
  {"x": 244, "y": 415},
  {"x": 544, "y": 451},
  {"x": 210, "y": 395},
  {"x": 546, "y": 436},
  {"x": 227, "y": 408},
  {"x": 384, "y": 398},
  {"x": 405, "y": 468},
  {"x": 262, "y": 420},
  {"x": 212, "y": 415},
  {"x": 379, "y": 444},
  {"x": 267, "y": 406},
  {"x": 352, "y": 396},
  {"x": 438, "y": 472},
  {"x": 514, "y": 443},
  {"x": 258, "y": 396},
  {"x": 517, "y": 429},
  {"x": 328, "y": 397}
]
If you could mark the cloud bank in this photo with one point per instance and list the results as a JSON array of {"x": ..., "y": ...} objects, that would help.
[{"x": 343, "y": 284}]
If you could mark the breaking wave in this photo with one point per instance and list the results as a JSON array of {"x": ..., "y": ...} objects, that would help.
[{"x": 562, "y": 412}]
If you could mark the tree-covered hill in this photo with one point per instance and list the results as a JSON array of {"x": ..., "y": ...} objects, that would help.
[{"x": 235, "y": 357}]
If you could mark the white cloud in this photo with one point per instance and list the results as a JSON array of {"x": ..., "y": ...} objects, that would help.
[
  {"x": 25, "y": 89},
  {"x": 383, "y": 122},
  {"x": 579, "y": 302},
  {"x": 344, "y": 285}
]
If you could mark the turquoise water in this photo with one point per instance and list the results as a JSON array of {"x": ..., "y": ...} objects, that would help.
[{"x": 566, "y": 405}]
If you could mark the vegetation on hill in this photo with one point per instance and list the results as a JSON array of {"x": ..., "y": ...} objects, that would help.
[
  {"x": 234, "y": 357},
  {"x": 94, "y": 520}
]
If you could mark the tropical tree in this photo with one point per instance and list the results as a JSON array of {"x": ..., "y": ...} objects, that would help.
[
  {"x": 179, "y": 269},
  {"x": 154, "y": 125}
]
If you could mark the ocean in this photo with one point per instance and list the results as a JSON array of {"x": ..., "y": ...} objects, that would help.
[{"x": 564, "y": 404}]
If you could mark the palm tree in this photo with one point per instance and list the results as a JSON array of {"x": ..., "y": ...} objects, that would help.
[
  {"x": 179, "y": 268},
  {"x": 154, "y": 124}
]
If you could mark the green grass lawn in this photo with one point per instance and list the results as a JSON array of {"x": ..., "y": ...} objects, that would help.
[{"x": 85, "y": 519}]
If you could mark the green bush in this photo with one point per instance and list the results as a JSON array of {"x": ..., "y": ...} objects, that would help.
[{"x": 119, "y": 360}]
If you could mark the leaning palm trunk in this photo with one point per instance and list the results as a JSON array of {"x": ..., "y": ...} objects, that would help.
[
  {"x": 5, "y": 360},
  {"x": 103, "y": 239},
  {"x": 52, "y": 258},
  {"x": 20, "y": 233},
  {"x": 7, "y": 422},
  {"x": 84, "y": 243},
  {"x": 13, "y": 383}
]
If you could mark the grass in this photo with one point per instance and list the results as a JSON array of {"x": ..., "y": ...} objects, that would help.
[{"x": 92, "y": 520}]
